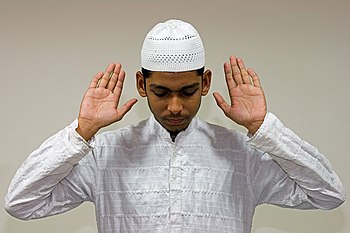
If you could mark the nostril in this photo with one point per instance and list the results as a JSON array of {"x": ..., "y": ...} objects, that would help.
[{"x": 175, "y": 106}]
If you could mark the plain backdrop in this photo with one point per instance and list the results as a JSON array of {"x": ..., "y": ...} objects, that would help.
[{"x": 50, "y": 50}]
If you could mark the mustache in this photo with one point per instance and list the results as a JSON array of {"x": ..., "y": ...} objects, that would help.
[{"x": 175, "y": 116}]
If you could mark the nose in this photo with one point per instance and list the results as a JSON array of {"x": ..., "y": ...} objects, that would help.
[{"x": 175, "y": 105}]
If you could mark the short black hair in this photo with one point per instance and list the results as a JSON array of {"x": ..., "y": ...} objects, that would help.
[{"x": 147, "y": 73}]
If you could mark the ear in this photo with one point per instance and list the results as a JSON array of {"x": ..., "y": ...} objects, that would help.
[
  {"x": 140, "y": 84},
  {"x": 206, "y": 81}
]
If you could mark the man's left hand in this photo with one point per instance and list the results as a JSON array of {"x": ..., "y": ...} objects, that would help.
[{"x": 248, "y": 103}]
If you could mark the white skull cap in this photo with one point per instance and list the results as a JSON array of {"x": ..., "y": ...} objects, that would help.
[{"x": 172, "y": 46}]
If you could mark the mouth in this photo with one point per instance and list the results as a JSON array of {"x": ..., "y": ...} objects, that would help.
[{"x": 175, "y": 121}]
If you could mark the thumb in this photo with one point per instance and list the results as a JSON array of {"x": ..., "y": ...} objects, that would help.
[
  {"x": 221, "y": 102},
  {"x": 126, "y": 107}
]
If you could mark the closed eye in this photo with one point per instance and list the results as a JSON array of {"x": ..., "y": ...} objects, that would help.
[
  {"x": 160, "y": 93},
  {"x": 188, "y": 92}
]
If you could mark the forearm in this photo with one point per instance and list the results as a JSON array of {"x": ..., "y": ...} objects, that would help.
[
  {"x": 42, "y": 171},
  {"x": 302, "y": 162}
]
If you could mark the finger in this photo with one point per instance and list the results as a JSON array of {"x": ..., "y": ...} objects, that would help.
[
  {"x": 230, "y": 82},
  {"x": 114, "y": 78},
  {"x": 106, "y": 76},
  {"x": 126, "y": 108},
  {"x": 221, "y": 103},
  {"x": 244, "y": 73},
  {"x": 95, "y": 80},
  {"x": 235, "y": 70},
  {"x": 119, "y": 85},
  {"x": 255, "y": 78}
]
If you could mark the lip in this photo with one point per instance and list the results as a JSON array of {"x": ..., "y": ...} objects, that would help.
[{"x": 175, "y": 121}]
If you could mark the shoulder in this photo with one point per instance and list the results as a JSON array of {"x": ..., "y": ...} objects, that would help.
[
  {"x": 219, "y": 131},
  {"x": 123, "y": 135},
  {"x": 222, "y": 137}
]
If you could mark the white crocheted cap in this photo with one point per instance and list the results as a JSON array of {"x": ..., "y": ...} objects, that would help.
[{"x": 172, "y": 46}]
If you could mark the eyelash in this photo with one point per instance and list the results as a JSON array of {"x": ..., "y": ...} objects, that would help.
[
  {"x": 163, "y": 94},
  {"x": 188, "y": 93},
  {"x": 183, "y": 93}
]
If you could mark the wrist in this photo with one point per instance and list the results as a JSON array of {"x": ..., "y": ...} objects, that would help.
[
  {"x": 254, "y": 127},
  {"x": 253, "y": 130},
  {"x": 86, "y": 129}
]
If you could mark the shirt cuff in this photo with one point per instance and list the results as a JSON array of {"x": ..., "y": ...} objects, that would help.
[
  {"x": 78, "y": 138},
  {"x": 267, "y": 135}
]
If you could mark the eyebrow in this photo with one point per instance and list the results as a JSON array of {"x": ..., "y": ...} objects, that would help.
[{"x": 156, "y": 86}]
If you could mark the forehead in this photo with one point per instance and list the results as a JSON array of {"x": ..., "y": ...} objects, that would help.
[{"x": 173, "y": 79}]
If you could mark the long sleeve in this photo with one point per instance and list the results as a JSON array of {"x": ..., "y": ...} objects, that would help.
[
  {"x": 40, "y": 187},
  {"x": 301, "y": 176}
]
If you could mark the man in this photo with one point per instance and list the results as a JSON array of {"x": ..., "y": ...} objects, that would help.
[{"x": 173, "y": 172}]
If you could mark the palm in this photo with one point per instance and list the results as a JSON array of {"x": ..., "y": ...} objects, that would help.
[
  {"x": 100, "y": 105},
  {"x": 248, "y": 105}
]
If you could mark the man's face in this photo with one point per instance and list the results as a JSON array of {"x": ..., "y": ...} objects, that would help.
[{"x": 174, "y": 98}]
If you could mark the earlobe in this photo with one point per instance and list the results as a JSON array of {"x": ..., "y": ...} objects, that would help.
[
  {"x": 206, "y": 81},
  {"x": 140, "y": 84}
]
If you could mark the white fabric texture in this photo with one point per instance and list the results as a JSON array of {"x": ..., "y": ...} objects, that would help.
[
  {"x": 172, "y": 46},
  {"x": 209, "y": 180}
]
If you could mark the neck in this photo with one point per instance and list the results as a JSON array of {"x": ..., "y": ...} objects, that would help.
[{"x": 173, "y": 134}]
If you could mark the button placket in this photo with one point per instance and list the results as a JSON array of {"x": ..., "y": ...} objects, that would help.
[{"x": 175, "y": 188}]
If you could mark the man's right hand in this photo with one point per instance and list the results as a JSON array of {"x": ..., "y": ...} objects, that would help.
[{"x": 99, "y": 106}]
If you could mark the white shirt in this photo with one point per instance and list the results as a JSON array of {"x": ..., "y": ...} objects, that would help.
[{"x": 209, "y": 180}]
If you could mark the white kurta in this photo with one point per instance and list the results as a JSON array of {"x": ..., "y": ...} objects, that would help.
[{"x": 209, "y": 180}]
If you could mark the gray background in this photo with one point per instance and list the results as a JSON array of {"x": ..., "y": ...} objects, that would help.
[{"x": 51, "y": 49}]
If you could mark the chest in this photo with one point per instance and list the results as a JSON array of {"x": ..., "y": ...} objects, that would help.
[{"x": 189, "y": 178}]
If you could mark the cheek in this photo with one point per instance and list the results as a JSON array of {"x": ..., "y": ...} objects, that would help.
[
  {"x": 156, "y": 105},
  {"x": 194, "y": 100},
  {"x": 197, "y": 104},
  {"x": 192, "y": 103}
]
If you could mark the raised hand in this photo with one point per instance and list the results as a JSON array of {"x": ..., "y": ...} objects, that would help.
[
  {"x": 99, "y": 106},
  {"x": 248, "y": 104}
]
